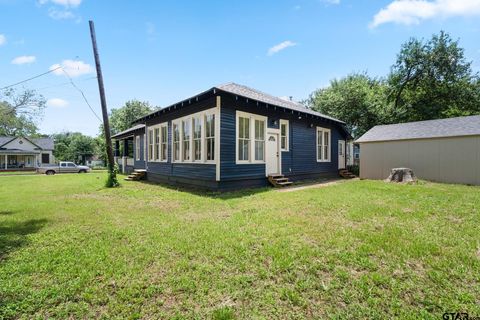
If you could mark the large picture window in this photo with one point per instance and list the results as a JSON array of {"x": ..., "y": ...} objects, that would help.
[
  {"x": 251, "y": 129},
  {"x": 196, "y": 141},
  {"x": 323, "y": 144}
]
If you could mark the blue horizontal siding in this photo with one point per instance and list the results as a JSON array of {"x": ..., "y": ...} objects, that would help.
[{"x": 299, "y": 161}]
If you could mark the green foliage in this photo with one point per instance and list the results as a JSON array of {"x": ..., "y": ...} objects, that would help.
[
  {"x": 356, "y": 99},
  {"x": 112, "y": 180},
  {"x": 19, "y": 112},
  {"x": 430, "y": 80},
  {"x": 121, "y": 119},
  {"x": 73, "y": 146}
]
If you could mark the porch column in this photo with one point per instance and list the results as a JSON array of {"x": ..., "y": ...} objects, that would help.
[
  {"x": 6, "y": 164},
  {"x": 124, "y": 164}
]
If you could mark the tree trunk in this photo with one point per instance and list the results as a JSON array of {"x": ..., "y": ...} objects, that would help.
[{"x": 401, "y": 175}]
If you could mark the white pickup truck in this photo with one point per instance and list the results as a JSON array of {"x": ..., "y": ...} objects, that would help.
[{"x": 63, "y": 167}]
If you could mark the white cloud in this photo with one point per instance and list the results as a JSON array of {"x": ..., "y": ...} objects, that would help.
[
  {"x": 65, "y": 3},
  {"x": 410, "y": 12},
  {"x": 72, "y": 68},
  {"x": 60, "y": 14},
  {"x": 3, "y": 39},
  {"x": 57, "y": 103},
  {"x": 281, "y": 46},
  {"x": 24, "y": 60}
]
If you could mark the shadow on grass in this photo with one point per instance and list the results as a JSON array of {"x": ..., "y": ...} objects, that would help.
[
  {"x": 223, "y": 195},
  {"x": 13, "y": 235},
  {"x": 6, "y": 212}
]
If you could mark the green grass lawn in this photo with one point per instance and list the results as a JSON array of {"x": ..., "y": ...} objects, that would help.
[{"x": 358, "y": 249}]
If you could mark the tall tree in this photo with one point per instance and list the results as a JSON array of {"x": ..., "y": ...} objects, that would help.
[
  {"x": 356, "y": 99},
  {"x": 19, "y": 112},
  {"x": 73, "y": 146},
  {"x": 432, "y": 79},
  {"x": 121, "y": 119}
]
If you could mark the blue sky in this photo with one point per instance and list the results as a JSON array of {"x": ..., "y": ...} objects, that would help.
[{"x": 164, "y": 51}]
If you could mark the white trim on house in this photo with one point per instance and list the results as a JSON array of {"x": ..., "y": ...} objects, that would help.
[
  {"x": 201, "y": 116},
  {"x": 217, "y": 137},
  {"x": 287, "y": 135},
  {"x": 320, "y": 145},
  {"x": 251, "y": 136}
]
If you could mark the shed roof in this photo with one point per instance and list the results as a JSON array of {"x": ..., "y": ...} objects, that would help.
[
  {"x": 441, "y": 128},
  {"x": 254, "y": 95}
]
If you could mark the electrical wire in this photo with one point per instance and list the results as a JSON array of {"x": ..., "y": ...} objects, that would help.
[
  {"x": 35, "y": 77},
  {"x": 81, "y": 92}
]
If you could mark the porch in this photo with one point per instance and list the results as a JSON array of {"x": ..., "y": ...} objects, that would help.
[
  {"x": 19, "y": 161},
  {"x": 123, "y": 148}
]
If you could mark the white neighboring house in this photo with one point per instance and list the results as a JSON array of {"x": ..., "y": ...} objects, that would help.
[{"x": 23, "y": 153}]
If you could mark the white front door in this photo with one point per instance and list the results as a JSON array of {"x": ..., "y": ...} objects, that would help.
[
  {"x": 341, "y": 154},
  {"x": 272, "y": 153}
]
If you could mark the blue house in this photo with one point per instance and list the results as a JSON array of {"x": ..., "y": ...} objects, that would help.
[{"x": 232, "y": 137}]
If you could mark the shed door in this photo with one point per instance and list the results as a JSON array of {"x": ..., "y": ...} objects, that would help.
[
  {"x": 341, "y": 154},
  {"x": 272, "y": 154}
]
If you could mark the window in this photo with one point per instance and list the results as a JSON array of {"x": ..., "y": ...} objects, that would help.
[
  {"x": 197, "y": 139},
  {"x": 45, "y": 158},
  {"x": 176, "y": 142},
  {"x": 210, "y": 137},
  {"x": 150, "y": 145},
  {"x": 284, "y": 133},
  {"x": 194, "y": 137},
  {"x": 323, "y": 144},
  {"x": 164, "y": 141},
  {"x": 137, "y": 147},
  {"x": 157, "y": 144},
  {"x": 259, "y": 140},
  {"x": 251, "y": 129},
  {"x": 71, "y": 165},
  {"x": 243, "y": 138},
  {"x": 186, "y": 140}
]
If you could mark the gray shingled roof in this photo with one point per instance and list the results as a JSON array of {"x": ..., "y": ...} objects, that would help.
[
  {"x": 254, "y": 94},
  {"x": 136, "y": 127},
  {"x": 451, "y": 127},
  {"x": 44, "y": 143}
]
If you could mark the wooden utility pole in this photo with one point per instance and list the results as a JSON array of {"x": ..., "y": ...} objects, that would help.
[{"x": 103, "y": 101}]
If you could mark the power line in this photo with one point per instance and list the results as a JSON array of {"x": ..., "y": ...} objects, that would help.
[
  {"x": 83, "y": 95},
  {"x": 62, "y": 84},
  {"x": 35, "y": 77}
]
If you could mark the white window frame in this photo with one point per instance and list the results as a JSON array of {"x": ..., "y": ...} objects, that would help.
[
  {"x": 323, "y": 130},
  {"x": 252, "y": 117},
  {"x": 200, "y": 115},
  {"x": 137, "y": 148},
  {"x": 153, "y": 158},
  {"x": 151, "y": 144},
  {"x": 287, "y": 135}
]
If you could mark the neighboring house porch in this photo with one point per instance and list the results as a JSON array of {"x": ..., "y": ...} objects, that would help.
[{"x": 21, "y": 153}]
